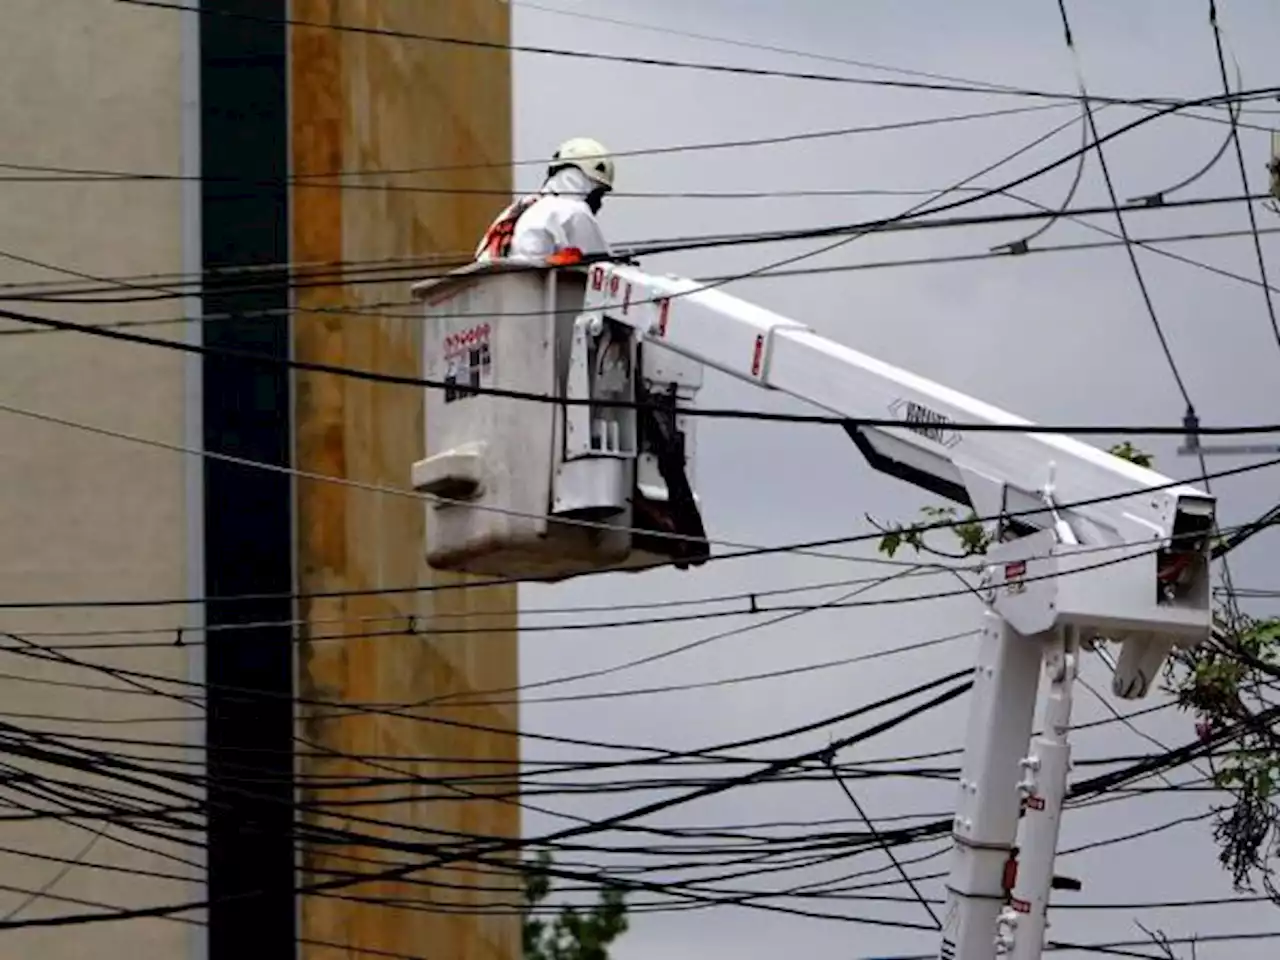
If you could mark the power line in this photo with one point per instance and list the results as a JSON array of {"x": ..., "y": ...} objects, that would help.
[
  {"x": 742, "y": 553},
  {"x": 1120, "y": 222},
  {"x": 767, "y": 48},
  {"x": 1138, "y": 275},
  {"x": 1198, "y": 938},
  {"x": 626, "y": 59},
  {"x": 372, "y": 312},
  {"x": 358, "y": 273},
  {"x": 66, "y": 174},
  {"x": 513, "y": 394},
  {"x": 782, "y": 894},
  {"x": 681, "y": 244},
  {"x": 888, "y": 850},
  {"x": 402, "y": 625},
  {"x": 1244, "y": 176},
  {"x": 707, "y": 412},
  {"x": 492, "y": 847}
]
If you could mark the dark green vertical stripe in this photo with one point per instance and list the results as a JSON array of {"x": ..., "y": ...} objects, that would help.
[{"x": 247, "y": 512}]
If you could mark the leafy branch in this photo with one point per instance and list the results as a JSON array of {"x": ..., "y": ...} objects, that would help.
[{"x": 574, "y": 933}]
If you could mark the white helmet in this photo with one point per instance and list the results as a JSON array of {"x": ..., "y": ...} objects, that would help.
[{"x": 589, "y": 156}]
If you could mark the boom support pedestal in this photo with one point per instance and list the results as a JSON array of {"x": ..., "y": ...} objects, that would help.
[{"x": 987, "y": 809}]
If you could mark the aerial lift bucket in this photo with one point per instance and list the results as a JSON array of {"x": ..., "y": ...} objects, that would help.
[{"x": 507, "y": 495}]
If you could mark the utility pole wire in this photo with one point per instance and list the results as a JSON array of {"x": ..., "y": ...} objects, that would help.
[
  {"x": 1244, "y": 176},
  {"x": 829, "y": 759}
]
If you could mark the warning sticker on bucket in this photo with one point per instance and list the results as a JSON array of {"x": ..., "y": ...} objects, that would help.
[{"x": 468, "y": 358}]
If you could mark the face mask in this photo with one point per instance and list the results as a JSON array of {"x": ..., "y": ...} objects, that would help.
[{"x": 595, "y": 199}]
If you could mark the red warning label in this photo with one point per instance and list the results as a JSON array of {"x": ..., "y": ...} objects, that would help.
[
  {"x": 1014, "y": 574},
  {"x": 757, "y": 357},
  {"x": 466, "y": 340}
]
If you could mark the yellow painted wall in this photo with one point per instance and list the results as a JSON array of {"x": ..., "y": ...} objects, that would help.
[{"x": 363, "y": 102}]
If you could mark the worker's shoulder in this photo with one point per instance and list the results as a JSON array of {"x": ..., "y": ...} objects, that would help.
[{"x": 551, "y": 204}]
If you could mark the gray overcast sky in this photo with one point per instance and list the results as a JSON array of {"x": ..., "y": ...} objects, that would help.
[{"x": 1056, "y": 337}]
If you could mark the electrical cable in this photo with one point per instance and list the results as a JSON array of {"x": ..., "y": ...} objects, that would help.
[
  {"x": 619, "y": 58},
  {"x": 96, "y": 667},
  {"x": 1085, "y": 101},
  {"x": 705, "y": 412},
  {"x": 360, "y": 273},
  {"x": 1234, "y": 138},
  {"x": 749, "y": 551},
  {"x": 881, "y": 224},
  {"x": 844, "y": 787},
  {"x": 767, "y": 48},
  {"x": 714, "y": 413},
  {"x": 67, "y": 174},
  {"x": 1198, "y": 938},
  {"x": 416, "y": 264},
  {"x": 1149, "y": 243},
  {"x": 341, "y": 708},
  {"x": 790, "y": 548},
  {"x": 34, "y": 651},
  {"x": 557, "y": 836},
  {"x": 1139, "y": 277},
  {"x": 715, "y": 241},
  {"x": 1120, "y": 222},
  {"x": 747, "y": 596}
]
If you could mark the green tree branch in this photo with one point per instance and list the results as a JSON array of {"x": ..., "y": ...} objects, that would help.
[{"x": 573, "y": 934}]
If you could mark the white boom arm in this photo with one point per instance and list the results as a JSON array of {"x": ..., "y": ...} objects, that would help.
[
  {"x": 1102, "y": 505},
  {"x": 1096, "y": 547}
]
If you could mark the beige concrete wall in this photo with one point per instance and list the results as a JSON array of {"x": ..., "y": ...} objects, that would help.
[
  {"x": 93, "y": 85},
  {"x": 365, "y": 102}
]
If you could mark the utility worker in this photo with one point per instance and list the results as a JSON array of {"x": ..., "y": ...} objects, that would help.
[{"x": 561, "y": 216}]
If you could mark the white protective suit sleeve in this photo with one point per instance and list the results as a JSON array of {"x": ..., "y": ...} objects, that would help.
[{"x": 558, "y": 218}]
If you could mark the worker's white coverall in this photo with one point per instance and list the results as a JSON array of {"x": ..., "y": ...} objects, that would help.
[{"x": 555, "y": 218}]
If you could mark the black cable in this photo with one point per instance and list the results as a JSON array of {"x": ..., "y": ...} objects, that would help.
[
  {"x": 1157, "y": 759},
  {"x": 1139, "y": 277},
  {"x": 985, "y": 194},
  {"x": 751, "y": 598},
  {"x": 620, "y": 58},
  {"x": 867, "y": 769},
  {"x": 1244, "y": 176},
  {"x": 64, "y": 174},
  {"x": 705, "y": 412},
  {"x": 358, "y": 274},
  {"x": 127, "y": 675},
  {"x": 772, "y": 48},
  {"x": 1120, "y": 222},
  {"x": 1199, "y": 938},
  {"x": 716, "y": 241},
  {"x": 372, "y": 861},
  {"x": 249, "y": 356},
  {"x": 758, "y": 551},
  {"x": 362, "y": 310},
  {"x": 493, "y": 848},
  {"x": 33, "y": 651},
  {"x": 1150, "y": 243},
  {"x": 844, "y": 787}
]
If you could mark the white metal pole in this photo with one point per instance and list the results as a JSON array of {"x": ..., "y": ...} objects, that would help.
[
  {"x": 1044, "y": 789},
  {"x": 1001, "y": 718}
]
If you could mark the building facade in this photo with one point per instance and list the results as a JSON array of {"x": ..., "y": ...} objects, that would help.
[{"x": 188, "y": 591}]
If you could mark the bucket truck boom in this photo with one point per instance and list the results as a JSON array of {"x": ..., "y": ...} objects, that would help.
[{"x": 1088, "y": 546}]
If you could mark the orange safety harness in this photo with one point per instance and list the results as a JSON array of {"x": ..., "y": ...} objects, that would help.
[{"x": 497, "y": 241}]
